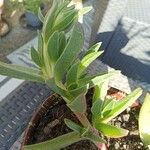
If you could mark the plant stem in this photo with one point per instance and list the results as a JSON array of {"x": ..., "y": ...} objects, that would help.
[
  {"x": 85, "y": 122},
  {"x": 56, "y": 143},
  {"x": 83, "y": 119}
]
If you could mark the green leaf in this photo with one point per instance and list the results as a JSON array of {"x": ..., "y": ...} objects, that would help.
[
  {"x": 35, "y": 57},
  {"x": 62, "y": 42},
  {"x": 73, "y": 126},
  {"x": 56, "y": 143},
  {"x": 53, "y": 47},
  {"x": 20, "y": 72},
  {"x": 63, "y": 22},
  {"x": 100, "y": 91},
  {"x": 111, "y": 131},
  {"x": 87, "y": 60},
  {"x": 61, "y": 7},
  {"x": 40, "y": 15},
  {"x": 120, "y": 106},
  {"x": 76, "y": 92},
  {"x": 84, "y": 10},
  {"x": 91, "y": 135},
  {"x": 144, "y": 121},
  {"x": 79, "y": 104},
  {"x": 96, "y": 79},
  {"x": 65, "y": 94},
  {"x": 49, "y": 21},
  {"x": 40, "y": 44},
  {"x": 69, "y": 54},
  {"x": 108, "y": 106},
  {"x": 94, "y": 48},
  {"x": 72, "y": 74},
  {"x": 72, "y": 86},
  {"x": 96, "y": 108}
]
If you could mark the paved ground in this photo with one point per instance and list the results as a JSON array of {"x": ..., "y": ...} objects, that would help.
[{"x": 17, "y": 36}]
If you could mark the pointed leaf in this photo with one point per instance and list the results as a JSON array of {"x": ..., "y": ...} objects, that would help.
[
  {"x": 79, "y": 104},
  {"x": 76, "y": 92},
  {"x": 111, "y": 131},
  {"x": 94, "y": 48},
  {"x": 144, "y": 121},
  {"x": 66, "y": 96},
  {"x": 96, "y": 108},
  {"x": 40, "y": 44},
  {"x": 84, "y": 10},
  {"x": 73, "y": 126},
  {"x": 20, "y": 72},
  {"x": 62, "y": 42},
  {"x": 53, "y": 47},
  {"x": 90, "y": 135},
  {"x": 35, "y": 57},
  {"x": 87, "y": 60},
  {"x": 120, "y": 106},
  {"x": 49, "y": 21},
  {"x": 61, "y": 7},
  {"x": 109, "y": 107},
  {"x": 96, "y": 79},
  {"x": 71, "y": 51},
  {"x": 65, "y": 21},
  {"x": 40, "y": 15},
  {"x": 56, "y": 143},
  {"x": 72, "y": 74},
  {"x": 100, "y": 91}
]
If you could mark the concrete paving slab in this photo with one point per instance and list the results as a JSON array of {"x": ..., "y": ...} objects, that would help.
[{"x": 22, "y": 55}]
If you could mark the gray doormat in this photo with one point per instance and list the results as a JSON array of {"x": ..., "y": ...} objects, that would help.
[{"x": 16, "y": 110}]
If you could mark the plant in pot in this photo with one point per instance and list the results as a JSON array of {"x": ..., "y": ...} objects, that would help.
[
  {"x": 64, "y": 70},
  {"x": 31, "y": 11},
  {"x": 4, "y": 27}
]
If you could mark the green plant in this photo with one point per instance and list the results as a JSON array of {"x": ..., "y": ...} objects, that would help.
[
  {"x": 33, "y": 5},
  {"x": 66, "y": 74},
  {"x": 29, "y": 5},
  {"x": 144, "y": 122}
]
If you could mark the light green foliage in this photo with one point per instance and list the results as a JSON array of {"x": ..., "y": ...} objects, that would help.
[
  {"x": 89, "y": 134},
  {"x": 20, "y": 72},
  {"x": 78, "y": 104},
  {"x": 144, "y": 121},
  {"x": 73, "y": 126},
  {"x": 36, "y": 57},
  {"x": 32, "y": 5},
  {"x": 69, "y": 54},
  {"x": 66, "y": 74},
  {"x": 29, "y": 5},
  {"x": 40, "y": 15},
  {"x": 111, "y": 131},
  {"x": 104, "y": 110},
  {"x": 56, "y": 143}
]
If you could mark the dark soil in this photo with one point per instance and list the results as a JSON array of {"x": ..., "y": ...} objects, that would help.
[{"x": 52, "y": 125}]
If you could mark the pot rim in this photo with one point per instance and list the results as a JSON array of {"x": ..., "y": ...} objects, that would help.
[{"x": 41, "y": 110}]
